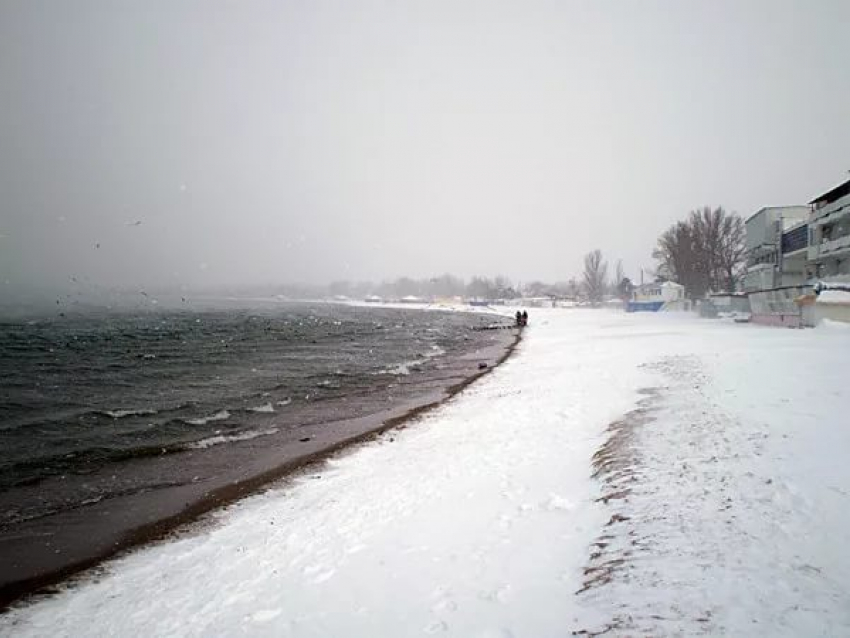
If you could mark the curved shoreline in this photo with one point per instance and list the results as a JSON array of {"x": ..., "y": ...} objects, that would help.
[{"x": 18, "y": 591}]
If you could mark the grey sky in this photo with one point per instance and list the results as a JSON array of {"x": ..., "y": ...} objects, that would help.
[{"x": 308, "y": 141}]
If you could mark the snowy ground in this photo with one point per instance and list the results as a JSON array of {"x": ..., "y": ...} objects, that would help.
[{"x": 720, "y": 505}]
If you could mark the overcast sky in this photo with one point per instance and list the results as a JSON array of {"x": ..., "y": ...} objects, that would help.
[{"x": 306, "y": 141}]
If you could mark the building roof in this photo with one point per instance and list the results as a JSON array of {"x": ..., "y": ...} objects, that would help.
[
  {"x": 836, "y": 193},
  {"x": 781, "y": 208}
]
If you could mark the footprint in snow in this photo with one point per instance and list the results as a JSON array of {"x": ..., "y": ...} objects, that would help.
[
  {"x": 557, "y": 502},
  {"x": 499, "y": 595},
  {"x": 354, "y": 549},
  {"x": 444, "y": 605},
  {"x": 265, "y": 615},
  {"x": 436, "y": 627},
  {"x": 325, "y": 575}
]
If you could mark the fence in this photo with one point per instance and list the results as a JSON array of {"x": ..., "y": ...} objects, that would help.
[{"x": 776, "y": 307}]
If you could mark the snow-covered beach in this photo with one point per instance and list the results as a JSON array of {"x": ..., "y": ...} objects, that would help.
[{"x": 718, "y": 506}]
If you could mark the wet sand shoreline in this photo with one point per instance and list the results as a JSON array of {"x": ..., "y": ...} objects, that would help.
[{"x": 41, "y": 553}]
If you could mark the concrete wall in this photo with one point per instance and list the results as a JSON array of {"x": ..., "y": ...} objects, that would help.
[
  {"x": 760, "y": 277},
  {"x": 793, "y": 269},
  {"x": 778, "y": 307},
  {"x": 761, "y": 228}
]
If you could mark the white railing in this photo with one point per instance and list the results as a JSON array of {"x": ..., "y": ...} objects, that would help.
[
  {"x": 835, "y": 245},
  {"x": 830, "y": 212}
]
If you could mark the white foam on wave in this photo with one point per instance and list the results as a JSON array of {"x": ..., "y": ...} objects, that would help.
[
  {"x": 404, "y": 368},
  {"x": 436, "y": 351},
  {"x": 120, "y": 414},
  {"x": 400, "y": 369},
  {"x": 287, "y": 402},
  {"x": 221, "y": 415},
  {"x": 266, "y": 407},
  {"x": 229, "y": 438}
]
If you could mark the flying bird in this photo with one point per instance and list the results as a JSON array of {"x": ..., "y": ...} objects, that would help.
[{"x": 136, "y": 223}]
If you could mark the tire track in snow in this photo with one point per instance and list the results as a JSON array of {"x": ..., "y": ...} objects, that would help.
[
  {"x": 712, "y": 526},
  {"x": 649, "y": 498}
]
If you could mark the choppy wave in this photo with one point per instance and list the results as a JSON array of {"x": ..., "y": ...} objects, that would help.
[
  {"x": 228, "y": 438},
  {"x": 131, "y": 385},
  {"x": 265, "y": 408},
  {"x": 34, "y": 470},
  {"x": 120, "y": 414},
  {"x": 404, "y": 368},
  {"x": 221, "y": 415}
]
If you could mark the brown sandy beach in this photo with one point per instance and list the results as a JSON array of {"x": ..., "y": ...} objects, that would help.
[{"x": 174, "y": 490}]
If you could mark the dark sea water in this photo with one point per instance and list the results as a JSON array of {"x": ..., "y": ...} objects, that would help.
[{"x": 80, "y": 393}]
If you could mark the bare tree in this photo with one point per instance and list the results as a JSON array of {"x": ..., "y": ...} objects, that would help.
[
  {"x": 446, "y": 285},
  {"x": 625, "y": 289},
  {"x": 679, "y": 257},
  {"x": 481, "y": 288},
  {"x": 619, "y": 275},
  {"x": 504, "y": 289},
  {"x": 536, "y": 289},
  {"x": 704, "y": 253},
  {"x": 731, "y": 253},
  {"x": 595, "y": 276}
]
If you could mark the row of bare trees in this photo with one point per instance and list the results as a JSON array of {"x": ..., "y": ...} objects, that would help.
[
  {"x": 596, "y": 285},
  {"x": 706, "y": 252},
  {"x": 593, "y": 286},
  {"x": 446, "y": 285}
]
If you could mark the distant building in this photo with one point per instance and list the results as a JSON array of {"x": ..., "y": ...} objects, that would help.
[
  {"x": 829, "y": 236},
  {"x": 655, "y": 297},
  {"x": 777, "y": 239},
  {"x": 791, "y": 251}
]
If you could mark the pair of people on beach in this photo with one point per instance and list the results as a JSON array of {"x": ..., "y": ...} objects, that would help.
[{"x": 521, "y": 318}]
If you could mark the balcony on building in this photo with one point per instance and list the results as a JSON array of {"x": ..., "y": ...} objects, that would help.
[{"x": 829, "y": 235}]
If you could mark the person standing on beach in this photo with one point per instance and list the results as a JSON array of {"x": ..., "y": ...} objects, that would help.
[
  {"x": 518, "y": 318},
  {"x": 524, "y": 318}
]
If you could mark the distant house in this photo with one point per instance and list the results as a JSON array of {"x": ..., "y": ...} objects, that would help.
[
  {"x": 656, "y": 297},
  {"x": 829, "y": 236}
]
